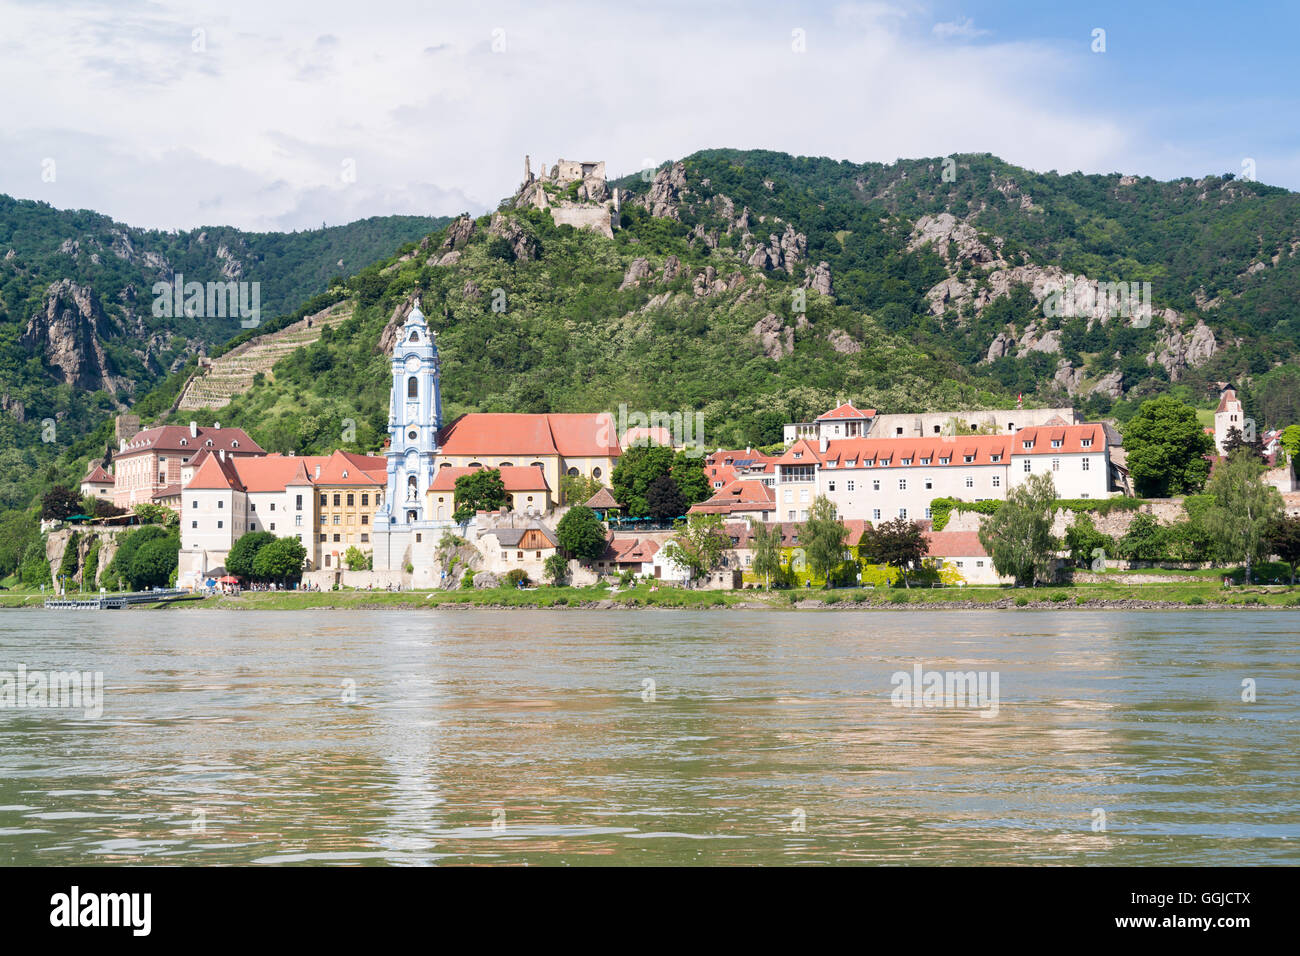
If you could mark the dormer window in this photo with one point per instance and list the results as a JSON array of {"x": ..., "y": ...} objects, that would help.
[
  {"x": 1087, "y": 443},
  {"x": 208, "y": 443},
  {"x": 944, "y": 461},
  {"x": 1056, "y": 443},
  {"x": 968, "y": 458},
  {"x": 995, "y": 457},
  {"x": 234, "y": 444},
  {"x": 185, "y": 441},
  {"x": 1027, "y": 445},
  {"x": 907, "y": 461},
  {"x": 925, "y": 461},
  {"x": 798, "y": 455}
]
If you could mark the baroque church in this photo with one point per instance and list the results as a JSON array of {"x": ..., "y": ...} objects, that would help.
[{"x": 425, "y": 455}]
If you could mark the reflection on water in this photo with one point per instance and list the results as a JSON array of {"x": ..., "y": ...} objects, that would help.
[{"x": 523, "y": 736}]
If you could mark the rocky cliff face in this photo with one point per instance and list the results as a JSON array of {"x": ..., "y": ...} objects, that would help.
[{"x": 66, "y": 334}]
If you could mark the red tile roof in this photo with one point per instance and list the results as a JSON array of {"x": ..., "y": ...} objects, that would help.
[
  {"x": 1228, "y": 395},
  {"x": 852, "y": 452},
  {"x": 1071, "y": 438},
  {"x": 955, "y": 544},
  {"x": 570, "y": 435},
  {"x": 515, "y": 478},
  {"x": 806, "y": 450},
  {"x": 740, "y": 495},
  {"x": 98, "y": 476},
  {"x": 846, "y": 410},
  {"x": 177, "y": 438},
  {"x": 741, "y": 531},
  {"x": 215, "y": 474}
]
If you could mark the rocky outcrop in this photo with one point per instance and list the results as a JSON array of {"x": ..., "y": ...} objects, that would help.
[
  {"x": 231, "y": 267},
  {"x": 388, "y": 337},
  {"x": 1111, "y": 384},
  {"x": 843, "y": 343},
  {"x": 459, "y": 234},
  {"x": 66, "y": 333},
  {"x": 819, "y": 279},
  {"x": 522, "y": 243},
  {"x": 672, "y": 268},
  {"x": 665, "y": 192},
  {"x": 638, "y": 270},
  {"x": 782, "y": 252},
  {"x": 1000, "y": 347},
  {"x": 948, "y": 234},
  {"x": 774, "y": 336},
  {"x": 1180, "y": 352}
]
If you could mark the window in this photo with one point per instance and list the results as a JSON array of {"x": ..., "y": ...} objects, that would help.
[
  {"x": 297, "y": 520},
  {"x": 194, "y": 524},
  {"x": 221, "y": 504},
  {"x": 875, "y": 486},
  {"x": 365, "y": 500},
  {"x": 336, "y": 537},
  {"x": 324, "y": 537},
  {"x": 505, "y": 555},
  {"x": 595, "y": 472},
  {"x": 959, "y": 564},
  {"x": 929, "y": 484},
  {"x": 1087, "y": 443},
  {"x": 252, "y": 506},
  {"x": 1085, "y": 463},
  {"x": 194, "y": 503},
  {"x": 336, "y": 499},
  {"x": 803, "y": 494},
  {"x": 944, "y": 461},
  {"x": 997, "y": 481},
  {"x": 902, "y": 484},
  {"x": 979, "y": 564},
  {"x": 875, "y": 514},
  {"x": 928, "y": 514},
  {"x": 365, "y": 519},
  {"x": 272, "y": 505},
  {"x": 1028, "y": 465},
  {"x": 336, "y": 519},
  {"x": 365, "y": 538},
  {"x": 791, "y": 516},
  {"x": 220, "y": 524},
  {"x": 830, "y": 486},
  {"x": 902, "y": 512},
  {"x": 351, "y": 500},
  {"x": 907, "y": 461},
  {"x": 995, "y": 457},
  {"x": 519, "y": 555},
  {"x": 324, "y": 500},
  {"x": 1056, "y": 464},
  {"x": 968, "y": 458},
  {"x": 925, "y": 461},
  {"x": 297, "y": 502},
  {"x": 272, "y": 525},
  {"x": 970, "y": 482},
  {"x": 850, "y": 486},
  {"x": 1056, "y": 443},
  {"x": 412, "y": 387}
]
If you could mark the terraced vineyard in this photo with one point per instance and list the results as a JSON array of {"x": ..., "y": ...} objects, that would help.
[{"x": 214, "y": 385}]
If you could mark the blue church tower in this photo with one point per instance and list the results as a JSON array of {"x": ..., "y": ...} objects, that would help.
[{"x": 414, "y": 420}]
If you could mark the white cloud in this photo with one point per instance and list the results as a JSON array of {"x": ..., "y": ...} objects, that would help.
[
  {"x": 254, "y": 129},
  {"x": 962, "y": 28}
]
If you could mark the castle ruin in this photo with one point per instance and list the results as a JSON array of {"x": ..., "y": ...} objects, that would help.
[{"x": 576, "y": 193}]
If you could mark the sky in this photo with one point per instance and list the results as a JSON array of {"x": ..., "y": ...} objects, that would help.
[{"x": 274, "y": 115}]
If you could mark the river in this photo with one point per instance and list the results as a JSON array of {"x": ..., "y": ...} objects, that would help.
[{"x": 566, "y": 737}]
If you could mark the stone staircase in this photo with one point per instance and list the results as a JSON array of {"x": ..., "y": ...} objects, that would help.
[{"x": 216, "y": 383}]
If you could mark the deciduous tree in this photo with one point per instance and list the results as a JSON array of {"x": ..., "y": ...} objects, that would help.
[{"x": 1018, "y": 536}]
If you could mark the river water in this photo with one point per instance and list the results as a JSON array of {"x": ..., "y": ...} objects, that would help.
[{"x": 653, "y": 737}]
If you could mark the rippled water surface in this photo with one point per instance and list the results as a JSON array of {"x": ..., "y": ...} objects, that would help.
[{"x": 766, "y": 737}]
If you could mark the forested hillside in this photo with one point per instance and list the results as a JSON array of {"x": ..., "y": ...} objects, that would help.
[{"x": 79, "y": 337}]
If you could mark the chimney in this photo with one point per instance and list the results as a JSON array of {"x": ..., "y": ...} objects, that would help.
[
  {"x": 221, "y": 453},
  {"x": 121, "y": 444},
  {"x": 826, "y": 441},
  {"x": 194, "y": 429},
  {"x": 318, "y": 472},
  {"x": 217, "y": 425}
]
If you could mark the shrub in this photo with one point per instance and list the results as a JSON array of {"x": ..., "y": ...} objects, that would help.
[
  {"x": 1022, "y": 601},
  {"x": 560, "y": 599},
  {"x": 899, "y": 597},
  {"x": 467, "y": 582},
  {"x": 831, "y": 599},
  {"x": 1060, "y": 596},
  {"x": 517, "y": 577},
  {"x": 1196, "y": 599}
]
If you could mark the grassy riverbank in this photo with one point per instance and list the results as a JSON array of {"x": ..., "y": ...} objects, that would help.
[{"x": 1111, "y": 593}]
